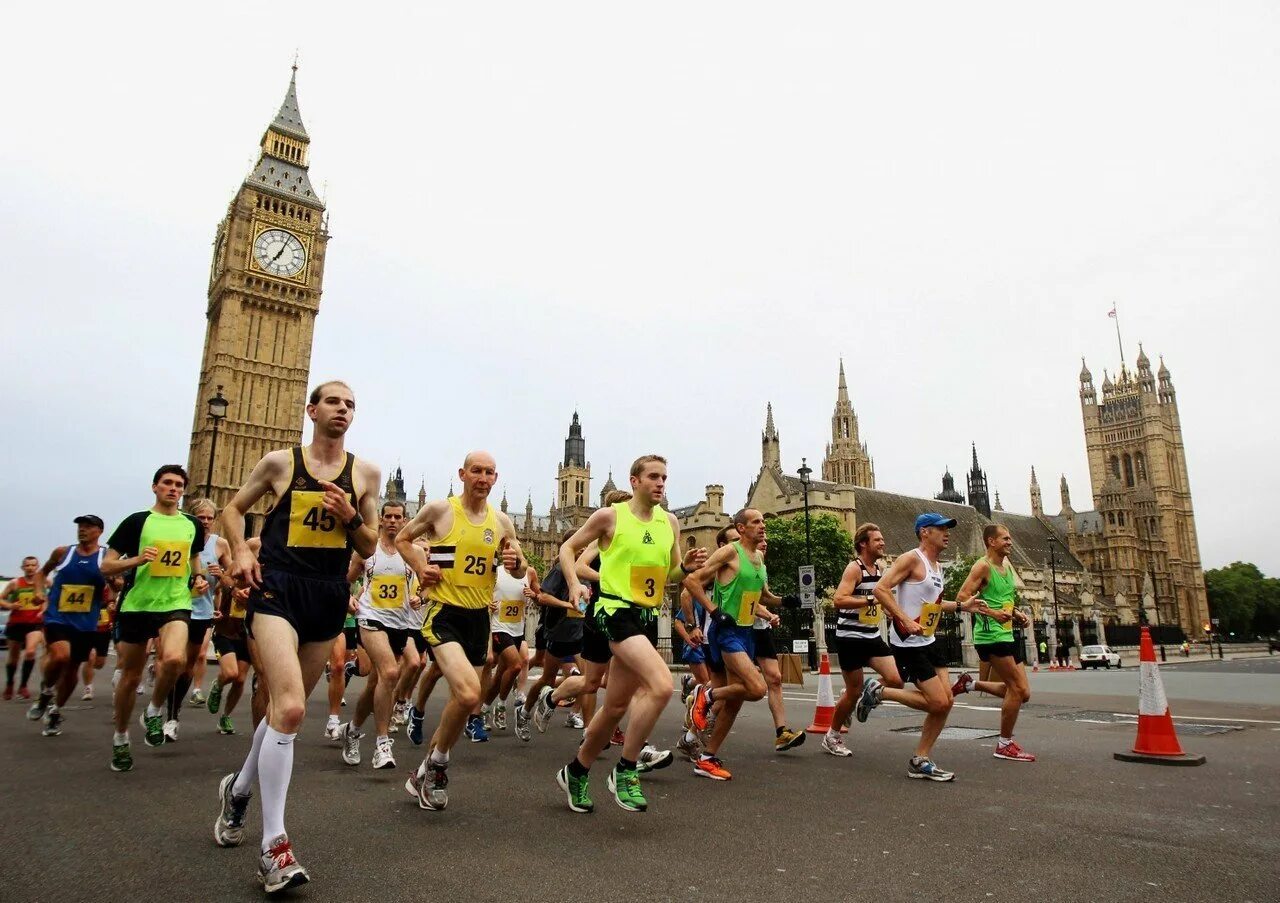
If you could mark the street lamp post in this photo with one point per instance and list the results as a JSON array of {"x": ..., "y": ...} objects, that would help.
[
  {"x": 804, "y": 471},
  {"x": 1053, "y": 570},
  {"x": 217, "y": 412}
]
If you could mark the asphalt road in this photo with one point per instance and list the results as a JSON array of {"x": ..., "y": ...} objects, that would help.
[{"x": 1077, "y": 825}]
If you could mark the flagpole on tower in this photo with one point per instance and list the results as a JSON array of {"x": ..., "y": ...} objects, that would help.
[{"x": 1113, "y": 315}]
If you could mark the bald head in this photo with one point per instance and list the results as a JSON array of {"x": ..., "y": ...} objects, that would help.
[{"x": 478, "y": 474}]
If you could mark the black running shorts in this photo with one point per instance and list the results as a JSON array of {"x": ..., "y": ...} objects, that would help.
[
  {"x": 765, "y": 646},
  {"x": 855, "y": 652},
  {"x": 468, "y": 627},
  {"x": 140, "y": 626},
  {"x": 315, "y": 607},
  {"x": 1010, "y": 650},
  {"x": 917, "y": 664},
  {"x": 81, "y": 641}
]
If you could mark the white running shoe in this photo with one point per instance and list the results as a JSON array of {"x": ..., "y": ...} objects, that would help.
[
  {"x": 88, "y": 693},
  {"x": 350, "y": 743},
  {"x": 834, "y": 744},
  {"x": 574, "y": 721},
  {"x": 278, "y": 869},
  {"x": 171, "y": 731},
  {"x": 331, "y": 729},
  {"x": 382, "y": 757}
]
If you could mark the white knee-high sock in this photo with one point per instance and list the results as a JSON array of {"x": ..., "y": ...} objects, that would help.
[
  {"x": 275, "y": 768},
  {"x": 249, "y": 770}
]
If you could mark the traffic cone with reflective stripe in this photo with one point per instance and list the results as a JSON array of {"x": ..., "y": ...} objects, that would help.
[
  {"x": 1157, "y": 739},
  {"x": 826, "y": 699}
]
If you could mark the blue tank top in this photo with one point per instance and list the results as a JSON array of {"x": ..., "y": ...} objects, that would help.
[
  {"x": 76, "y": 597},
  {"x": 202, "y": 605}
]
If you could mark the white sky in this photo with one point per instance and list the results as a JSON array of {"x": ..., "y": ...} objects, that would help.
[{"x": 665, "y": 215}]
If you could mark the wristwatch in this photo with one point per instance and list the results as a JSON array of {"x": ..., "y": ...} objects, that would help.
[{"x": 355, "y": 523}]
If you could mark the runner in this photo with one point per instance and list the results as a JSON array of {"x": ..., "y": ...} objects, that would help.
[
  {"x": 346, "y": 660},
  {"x": 24, "y": 599},
  {"x": 690, "y": 744},
  {"x": 297, "y": 604},
  {"x": 562, "y": 625},
  {"x": 738, "y": 575},
  {"x": 858, "y": 639},
  {"x": 911, "y": 592},
  {"x": 70, "y": 620},
  {"x": 639, "y": 545},
  {"x": 231, "y": 643},
  {"x": 510, "y": 597},
  {"x": 158, "y": 553},
  {"x": 993, "y": 581},
  {"x": 388, "y": 619},
  {"x": 215, "y": 559},
  {"x": 412, "y": 663},
  {"x": 469, "y": 540}
]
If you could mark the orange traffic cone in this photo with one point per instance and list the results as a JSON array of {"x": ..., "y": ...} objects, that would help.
[
  {"x": 1157, "y": 741},
  {"x": 826, "y": 699}
]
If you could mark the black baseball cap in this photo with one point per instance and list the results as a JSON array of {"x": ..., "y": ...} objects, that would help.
[{"x": 91, "y": 520}]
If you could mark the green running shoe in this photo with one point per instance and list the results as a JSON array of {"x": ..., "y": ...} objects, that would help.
[
  {"x": 153, "y": 727},
  {"x": 215, "y": 697},
  {"x": 625, "y": 787},
  {"x": 225, "y": 725},
  {"x": 121, "y": 758},
  {"x": 576, "y": 790}
]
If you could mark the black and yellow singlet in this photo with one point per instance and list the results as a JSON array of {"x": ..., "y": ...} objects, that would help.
[{"x": 299, "y": 536}]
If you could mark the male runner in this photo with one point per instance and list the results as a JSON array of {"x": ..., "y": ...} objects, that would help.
[
  {"x": 911, "y": 592},
  {"x": 691, "y": 743},
  {"x": 766, "y": 657},
  {"x": 326, "y": 499},
  {"x": 24, "y": 599},
  {"x": 71, "y": 618},
  {"x": 469, "y": 540},
  {"x": 159, "y": 552},
  {"x": 993, "y": 581},
  {"x": 562, "y": 624},
  {"x": 507, "y": 625},
  {"x": 858, "y": 639},
  {"x": 738, "y": 576},
  {"x": 388, "y": 620},
  {"x": 639, "y": 545},
  {"x": 232, "y": 645},
  {"x": 215, "y": 559}
]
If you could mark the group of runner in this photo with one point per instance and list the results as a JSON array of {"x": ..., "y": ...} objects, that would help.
[{"x": 443, "y": 595}]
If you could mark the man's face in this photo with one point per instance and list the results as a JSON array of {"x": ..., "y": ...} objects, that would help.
[
  {"x": 875, "y": 544},
  {"x": 1003, "y": 542},
  {"x": 753, "y": 529},
  {"x": 392, "y": 520},
  {"x": 206, "y": 518},
  {"x": 478, "y": 475},
  {"x": 652, "y": 482},
  {"x": 335, "y": 410},
  {"x": 87, "y": 533},
  {"x": 30, "y": 566},
  {"x": 169, "y": 488},
  {"x": 936, "y": 537},
  {"x": 730, "y": 536}
]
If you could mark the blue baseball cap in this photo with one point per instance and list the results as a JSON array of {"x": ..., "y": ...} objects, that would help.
[{"x": 933, "y": 520}]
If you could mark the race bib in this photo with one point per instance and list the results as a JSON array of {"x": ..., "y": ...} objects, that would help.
[
  {"x": 237, "y": 609},
  {"x": 473, "y": 563},
  {"x": 510, "y": 611},
  {"x": 930, "y": 615},
  {"x": 104, "y": 618},
  {"x": 25, "y": 599},
  {"x": 747, "y": 609},
  {"x": 75, "y": 598},
  {"x": 577, "y": 611},
  {"x": 387, "y": 591},
  {"x": 870, "y": 615},
  {"x": 310, "y": 525},
  {"x": 647, "y": 584},
  {"x": 171, "y": 560}
]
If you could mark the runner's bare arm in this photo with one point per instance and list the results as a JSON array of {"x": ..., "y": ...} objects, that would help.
[
  {"x": 512, "y": 555},
  {"x": 262, "y": 479},
  {"x": 224, "y": 564},
  {"x": 691, "y": 560},
  {"x": 425, "y": 523},
  {"x": 356, "y": 568},
  {"x": 903, "y": 567},
  {"x": 583, "y": 564},
  {"x": 694, "y": 583},
  {"x": 844, "y": 597},
  {"x": 55, "y": 557},
  {"x": 968, "y": 600},
  {"x": 769, "y": 598},
  {"x": 596, "y": 527}
]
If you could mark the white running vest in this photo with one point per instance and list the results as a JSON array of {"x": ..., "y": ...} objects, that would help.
[
  {"x": 508, "y": 592},
  {"x": 912, "y": 596},
  {"x": 388, "y": 583}
]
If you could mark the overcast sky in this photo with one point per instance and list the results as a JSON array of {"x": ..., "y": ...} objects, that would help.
[{"x": 664, "y": 215}]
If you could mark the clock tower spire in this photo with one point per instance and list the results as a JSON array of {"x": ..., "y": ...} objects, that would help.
[{"x": 264, "y": 292}]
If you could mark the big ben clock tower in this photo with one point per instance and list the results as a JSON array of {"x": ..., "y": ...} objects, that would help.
[{"x": 264, "y": 293}]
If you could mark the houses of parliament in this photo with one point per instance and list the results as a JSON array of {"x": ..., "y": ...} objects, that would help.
[{"x": 1132, "y": 553}]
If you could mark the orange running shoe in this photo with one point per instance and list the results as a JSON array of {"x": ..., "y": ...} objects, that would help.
[{"x": 711, "y": 767}]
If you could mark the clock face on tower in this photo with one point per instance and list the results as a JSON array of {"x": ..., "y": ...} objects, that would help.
[{"x": 279, "y": 252}]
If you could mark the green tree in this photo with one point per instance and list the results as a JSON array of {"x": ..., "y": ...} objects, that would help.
[
  {"x": 832, "y": 551},
  {"x": 955, "y": 575},
  {"x": 1243, "y": 599},
  {"x": 535, "y": 562}
]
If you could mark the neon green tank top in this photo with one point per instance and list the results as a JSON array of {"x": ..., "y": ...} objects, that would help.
[
  {"x": 633, "y": 570},
  {"x": 1000, "y": 593},
  {"x": 739, "y": 596}
]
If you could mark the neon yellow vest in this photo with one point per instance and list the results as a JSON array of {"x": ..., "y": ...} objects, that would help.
[{"x": 633, "y": 570}]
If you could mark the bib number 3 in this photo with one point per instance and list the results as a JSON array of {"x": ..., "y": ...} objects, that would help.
[{"x": 647, "y": 585}]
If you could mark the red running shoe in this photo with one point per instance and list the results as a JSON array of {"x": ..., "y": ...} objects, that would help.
[
  {"x": 962, "y": 684},
  {"x": 618, "y": 737},
  {"x": 1012, "y": 751}
]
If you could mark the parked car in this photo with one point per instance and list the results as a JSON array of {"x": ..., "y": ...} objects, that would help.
[{"x": 1095, "y": 656}]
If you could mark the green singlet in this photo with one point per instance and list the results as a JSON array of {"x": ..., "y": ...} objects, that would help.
[
  {"x": 739, "y": 596},
  {"x": 1000, "y": 593}
]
